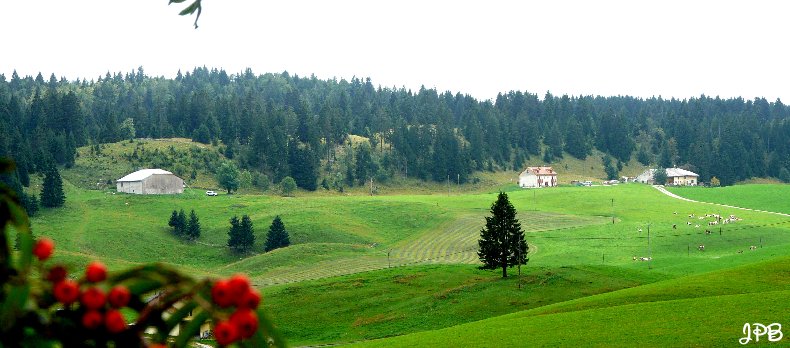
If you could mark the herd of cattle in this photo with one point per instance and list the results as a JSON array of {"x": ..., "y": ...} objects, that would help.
[{"x": 716, "y": 220}]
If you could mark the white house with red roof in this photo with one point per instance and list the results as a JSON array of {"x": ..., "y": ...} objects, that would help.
[{"x": 537, "y": 177}]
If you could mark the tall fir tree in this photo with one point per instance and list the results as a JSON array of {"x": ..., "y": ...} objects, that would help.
[
  {"x": 193, "y": 226},
  {"x": 181, "y": 227},
  {"x": 502, "y": 241},
  {"x": 234, "y": 234},
  {"x": 176, "y": 223},
  {"x": 52, "y": 189},
  {"x": 241, "y": 237},
  {"x": 247, "y": 233},
  {"x": 277, "y": 236}
]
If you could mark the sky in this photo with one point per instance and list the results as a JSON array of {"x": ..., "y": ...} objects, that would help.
[{"x": 679, "y": 49}]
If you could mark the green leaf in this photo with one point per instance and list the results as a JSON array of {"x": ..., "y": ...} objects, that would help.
[
  {"x": 190, "y": 9},
  {"x": 175, "y": 1},
  {"x": 192, "y": 329},
  {"x": 12, "y": 306},
  {"x": 179, "y": 315}
]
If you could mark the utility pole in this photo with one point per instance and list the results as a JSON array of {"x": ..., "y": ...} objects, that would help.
[
  {"x": 518, "y": 256},
  {"x": 649, "y": 250},
  {"x": 612, "y": 211},
  {"x": 389, "y": 264}
]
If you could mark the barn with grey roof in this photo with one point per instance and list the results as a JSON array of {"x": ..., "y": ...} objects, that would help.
[{"x": 150, "y": 181}]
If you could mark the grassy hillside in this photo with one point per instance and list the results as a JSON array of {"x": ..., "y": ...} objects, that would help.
[
  {"x": 407, "y": 263},
  {"x": 99, "y": 169},
  {"x": 701, "y": 310},
  {"x": 764, "y": 197},
  {"x": 410, "y": 299}
]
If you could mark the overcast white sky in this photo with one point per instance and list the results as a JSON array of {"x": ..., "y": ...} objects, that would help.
[{"x": 642, "y": 48}]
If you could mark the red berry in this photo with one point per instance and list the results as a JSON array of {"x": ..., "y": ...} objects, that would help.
[
  {"x": 239, "y": 284},
  {"x": 220, "y": 293},
  {"x": 92, "y": 319},
  {"x": 93, "y": 298},
  {"x": 226, "y": 333},
  {"x": 56, "y": 274},
  {"x": 114, "y": 321},
  {"x": 96, "y": 272},
  {"x": 66, "y": 292},
  {"x": 43, "y": 248},
  {"x": 249, "y": 299},
  {"x": 119, "y": 296},
  {"x": 246, "y": 322}
]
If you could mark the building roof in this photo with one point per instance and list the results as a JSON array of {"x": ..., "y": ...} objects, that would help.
[
  {"x": 539, "y": 171},
  {"x": 671, "y": 173},
  {"x": 142, "y": 174},
  {"x": 674, "y": 172}
]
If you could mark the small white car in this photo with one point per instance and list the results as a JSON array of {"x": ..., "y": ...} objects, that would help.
[{"x": 211, "y": 193}]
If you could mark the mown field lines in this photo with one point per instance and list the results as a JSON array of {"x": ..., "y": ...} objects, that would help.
[{"x": 455, "y": 242}]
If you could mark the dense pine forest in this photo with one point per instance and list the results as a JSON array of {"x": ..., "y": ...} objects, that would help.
[{"x": 286, "y": 125}]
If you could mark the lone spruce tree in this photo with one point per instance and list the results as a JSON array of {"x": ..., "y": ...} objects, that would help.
[
  {"x": 277, "y": 236},
  {"x": 502, "y": 241},
  {"x": 52, "y": 189}
]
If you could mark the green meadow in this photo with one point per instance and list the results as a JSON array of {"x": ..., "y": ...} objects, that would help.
[{"x": 401, "y": 270}]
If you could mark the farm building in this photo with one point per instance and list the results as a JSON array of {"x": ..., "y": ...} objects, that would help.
[
  {"x": 675, "y": 176},
  {"x": 537, "y": 177},
  {"x": 150, "y": 181}
]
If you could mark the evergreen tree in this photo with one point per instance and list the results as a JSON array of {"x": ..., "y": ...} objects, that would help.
[
  {"x": 30, "y": 203},
  {"x": 247, "y": 233},
  {"x": 609, "y": 168},
  {"x": 202, "y": 135},
  {"x": 660, "y": 176},
  {"x": 502, "y": 241},
  {"x": 181, "y": 227},
  {"x": 303, "y": 165},
  {"x": 234, "y": 234},
  {"x": 175, "y": 222},
  {"x": 642, "y": 156},
  {"x": 277, "y": 236},
  {"x": 52, "y": 189},
  {"x": 193, "y": 226}
]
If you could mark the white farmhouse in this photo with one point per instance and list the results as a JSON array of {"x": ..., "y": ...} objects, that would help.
[
  {"x": 150, "y": 181},
  {"x": 537, "y": 177},
  {"x": 675, "y": 176}
]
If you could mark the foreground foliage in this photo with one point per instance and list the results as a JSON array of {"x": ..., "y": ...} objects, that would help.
[{"x": 42, "y": 306}]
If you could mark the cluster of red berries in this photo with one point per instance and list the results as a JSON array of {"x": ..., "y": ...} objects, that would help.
[
  {"x": 100, "y": 308},
  {"x": 243, "y": 322}
]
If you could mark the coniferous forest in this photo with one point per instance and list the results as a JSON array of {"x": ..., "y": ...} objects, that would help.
[{"x": 285, "y": 125}]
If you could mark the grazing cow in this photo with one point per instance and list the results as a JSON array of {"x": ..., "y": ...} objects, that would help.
[
  {"x": 691, "y": 215},
  {"x": 688, "y": 223},
  {"x": 711, "y": 223},
  {"x": 752, "y": 247},
  {"x": 675, "y": 213},
  {"x": 640, "y": 229},
  {"x": 645, "y": 258},
  {"x": 674, "y": 226},
  {"x": 707, "y": 232},
  {"x": 634, "y": 258},
  {"x": 696, "y": 226},
  {"x": 740, "y": 251},
  {"x": 701, "y": 247}
]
